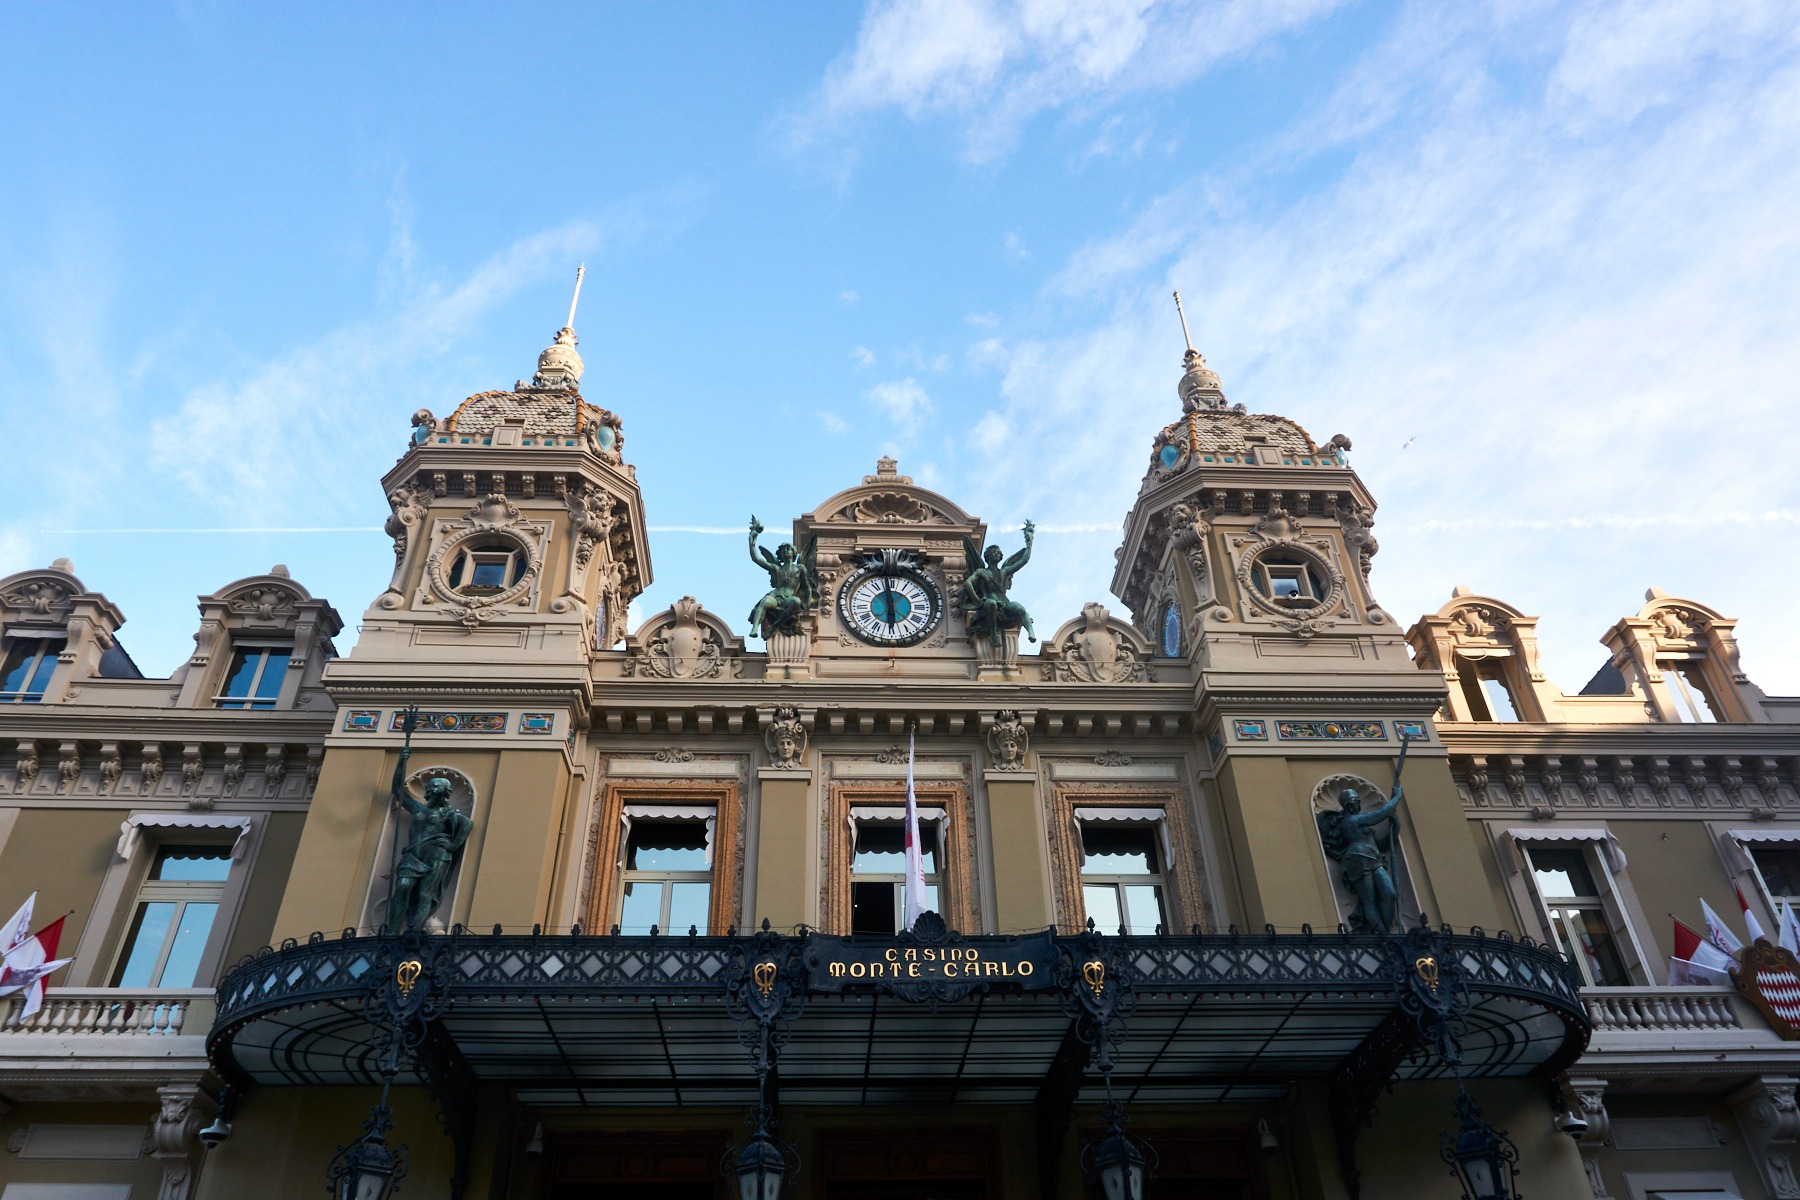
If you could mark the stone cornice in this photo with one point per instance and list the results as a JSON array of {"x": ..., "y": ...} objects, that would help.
[
  {"x": 1736, "y": 740},
  {"x": 74, "y": 722}
]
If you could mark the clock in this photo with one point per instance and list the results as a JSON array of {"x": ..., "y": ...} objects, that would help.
[{"x": 890, "y": 602}]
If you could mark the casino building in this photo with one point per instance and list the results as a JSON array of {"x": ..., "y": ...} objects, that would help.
[{"x": 666, "y": 961}]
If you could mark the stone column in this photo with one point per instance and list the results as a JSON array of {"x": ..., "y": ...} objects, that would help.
[
  {"x": 1767, "y": 1113},
  {"x": 183, "y": 1109},
  {"x": 1589, "y": 1101}
]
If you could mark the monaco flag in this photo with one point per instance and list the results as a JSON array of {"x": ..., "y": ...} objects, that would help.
[
  {"x": 1696, "y": 961},
  {"x": 1750, "y": 921},
  {"x": 1717, "y": 932},
  {"x": 912, "y": 892},
  {"x": 29, "y": 959}
]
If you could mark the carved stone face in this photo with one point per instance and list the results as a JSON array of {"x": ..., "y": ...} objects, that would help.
[
  {"x": 787, "y": 747},
  {"x": 437, "y": 791}
]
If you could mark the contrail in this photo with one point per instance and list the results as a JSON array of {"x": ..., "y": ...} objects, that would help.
[{"x": 243, "y": 529}]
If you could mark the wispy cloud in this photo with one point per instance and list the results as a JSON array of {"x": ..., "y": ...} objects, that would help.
[
  {"x": 994, "y": 64},
  {"x": 1572, "y": 279},
  {"x": 904, "y": 402}
]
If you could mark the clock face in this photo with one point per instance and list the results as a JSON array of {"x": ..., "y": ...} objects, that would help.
[{"x": 890, "y": 605}]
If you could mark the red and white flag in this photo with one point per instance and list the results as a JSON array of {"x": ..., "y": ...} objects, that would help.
[
  {"x": 1750, "y": 921},
  {"x": 1690, "y": 947},
  {"x": 1687, "y": 973},
  {"x": 912, "y": 897},
  {"x": 28, "y": 962},
  {"x": 1718, "y": 932}
]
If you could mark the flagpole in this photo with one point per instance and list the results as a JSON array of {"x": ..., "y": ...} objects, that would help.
[{"x": 912, "y": 891}]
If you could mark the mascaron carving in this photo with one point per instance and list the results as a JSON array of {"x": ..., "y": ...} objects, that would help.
[
  {"x": 1009, "y": 741},
  {"x": 786, "y": 739}
]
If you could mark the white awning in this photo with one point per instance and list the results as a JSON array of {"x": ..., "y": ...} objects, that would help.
[
  {"x": 668, "y": 812},
  {"x": 1552, "y": 834},
  {"x": 1138, "y": 816},
  {"x": 133, "y": 828},
  {"x": 1737, "y": 844}
]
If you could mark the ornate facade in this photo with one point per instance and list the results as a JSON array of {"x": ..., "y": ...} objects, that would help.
[{"x": 1143, "y": 838}]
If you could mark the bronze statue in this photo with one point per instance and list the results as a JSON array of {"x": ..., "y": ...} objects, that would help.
[
  {"x": 986, "y": 609},
  {"x": 433, "y": 848},
  {"x": 1365, "y": 858},
  {"x": 794, "y": 585}
]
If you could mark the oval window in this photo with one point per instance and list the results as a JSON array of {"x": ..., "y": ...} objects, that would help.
[{"x": 1171, "y": 630}]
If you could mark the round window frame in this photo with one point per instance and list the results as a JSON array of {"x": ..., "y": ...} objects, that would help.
[
  {"x": 462, "y": 542},
  {"x": 1334, "y": 580}
]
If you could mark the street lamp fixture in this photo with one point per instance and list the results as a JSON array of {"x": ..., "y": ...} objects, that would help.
[
  {"x": 1118, "y": 1162},
  {"x": 366, "y": 1169},
  {"x": 1480, "y": 1157}
]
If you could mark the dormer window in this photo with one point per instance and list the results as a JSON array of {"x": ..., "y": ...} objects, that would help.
[
  {"x": 254, "y": 680},
  {"x": 488, "y": 568},
  {"x": 1289, "y": 581},
  {"x": 1687, "y": 684},
  {"x": 29, "y": 664}
]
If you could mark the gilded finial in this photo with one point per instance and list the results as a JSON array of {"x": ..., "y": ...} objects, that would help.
[
  {"x": 1199, "y": 387},
  {"x": 559, "y": 366}
]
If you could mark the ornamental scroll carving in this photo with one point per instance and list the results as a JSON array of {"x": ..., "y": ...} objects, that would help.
[
  {"x": 684, "y": 642},
  {"x": 1099, "y": 650}
]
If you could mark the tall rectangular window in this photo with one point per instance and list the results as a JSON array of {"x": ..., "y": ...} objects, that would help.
[
  {"x": 878, "y": 872},
  {"x": 1122, "y": 884},
  {"x": 254, "y": 680},
  {"x": 1779, "y": 865},
  {"x": 173, "y": 920},
  {"x": 29, "y": 663},
  {"x": 667, "y": 877},
  {"x": 1687, "y": 684},
  {"x": 1485, "y": 690},
  {"x": 1578, "y": 914}
]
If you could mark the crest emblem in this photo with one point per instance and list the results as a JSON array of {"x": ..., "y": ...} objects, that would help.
[
  {"x": 764, "y": 976},
  {"x": 1769, "y": 978},
  {"x": 1093, "y": 973},
  {"x": 407, "y": 974},
  {"x": 1426, "y": 967}
]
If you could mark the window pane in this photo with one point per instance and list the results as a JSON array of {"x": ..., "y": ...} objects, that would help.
[
  {"x": 1594, "y": 942},
  {"x": 207, "y": 863},
  {"x": 1102, "y": 903},
  {"x": 642, "y": 907},
  {"x": 243, "y": 673},
  {"x": 880, "y": 848},
  {"x": 1562, "y": 873},
  {"x": 1780, "y": 867},
  {"x": 1113, "y": 849},
  {"x": 667, "y": 846},
  {"x": 931, "y": 898},
  {"x": 149, "y": 929},
  {"x": 687, "y": 906},
  {"x": 1143, "y": 908},
  {"x": 274, "y": 666},
  {"x": 189, "y": 945},
  {"x": 19, "y": 661},
  {"x": 490, "y": 574},
  {"x": 1689, "y": 686},
  {"x": 29, "y": 665},
  {"x": 1499, "y": 700},
  {"x": 874, "y": 906}
]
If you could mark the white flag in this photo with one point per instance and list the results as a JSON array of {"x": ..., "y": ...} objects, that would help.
[
  {"x": 912, "y": 898},
  {"x": 1718, "y": 932},
  {"x": 1790, "y": 928},
  {"x": 1750, "y": 921},
  {"x": 19, "y": 928},
  {"x": 1683, "y": 973}
]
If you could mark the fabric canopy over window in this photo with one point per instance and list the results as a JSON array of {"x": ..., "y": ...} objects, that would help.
[
  {"x": 1608, "y": 845},
  {"x": 133, "y": 828},
  {"x": 1136, "y": 816},
  {"x": 1737, "y": 845},
  {"x": 668, "y": 812}
]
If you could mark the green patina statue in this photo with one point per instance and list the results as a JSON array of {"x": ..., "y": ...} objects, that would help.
[
  {"x": 1365, "y": 858},
  {"x": 985, "y": 607},
  {"x": 794, "y": 585},
  {"x": 434, "y": 846}
]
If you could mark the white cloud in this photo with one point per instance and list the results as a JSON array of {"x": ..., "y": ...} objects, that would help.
[
  {"x": 996, "y": 63},
  {"x": 991, "y": 433},
  {"x": 833, "y": 423},
  {"x": 985, "y": 320},
  {"x": 848, "y": 298},
  {"x": 904, "y": 402},
  {"x": 1579, "y": 298},
  {"x": 1015, "y": 248},
  {"x": 862, "y": 356}
]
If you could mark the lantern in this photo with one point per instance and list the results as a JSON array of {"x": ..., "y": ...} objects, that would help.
[
  {"x": 1480, "y": 1157},
  {"x": 366, "y": 1169}
]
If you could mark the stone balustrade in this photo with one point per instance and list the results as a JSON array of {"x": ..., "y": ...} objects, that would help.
[
  {"x": 1660, "y": 1009},
  {"x": 151, "y": 1012}
]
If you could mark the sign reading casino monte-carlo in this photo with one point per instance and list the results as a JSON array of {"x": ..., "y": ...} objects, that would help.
[{"x": 930, "y": 964}]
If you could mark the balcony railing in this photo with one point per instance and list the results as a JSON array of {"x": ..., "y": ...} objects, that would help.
[
  {"x": 1661, "y": 1009},
  {"x": 156, "y": 1012}
]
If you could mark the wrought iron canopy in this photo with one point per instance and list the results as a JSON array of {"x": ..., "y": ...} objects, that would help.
[{"x": 611, "y": 1020}]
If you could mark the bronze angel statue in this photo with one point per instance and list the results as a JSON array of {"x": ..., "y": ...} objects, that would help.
[
  {"x": 1365, "y": 857},
  {"x": 794, "y": 585},
  {"x": 986, "y": 609}
]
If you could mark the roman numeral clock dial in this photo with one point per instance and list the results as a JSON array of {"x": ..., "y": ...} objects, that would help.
[{"x": 890, "y": 603}]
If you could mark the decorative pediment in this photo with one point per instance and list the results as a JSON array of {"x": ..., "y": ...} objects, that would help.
[
  {"x": 1099, "y": 648},
  {"x": 40, "y": 597},
  {"x": 684, "y": 642},
  {"x": 264, "y": 600},
  {"x": 890, "y": 498},
  {"x": 1679, "y": 626}
]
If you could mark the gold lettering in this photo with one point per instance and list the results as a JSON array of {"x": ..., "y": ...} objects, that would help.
[
  {"x": 837, "y": 970},
  {"x": 949, "y": 970},
  {"x": 858, "y": 970},
  {"x": 1025, "y": 967},
  {"x": 912, "y": 954},
  {"x": 971, "y": 954},
  {"x": 912, "y": 969},
  {"x": 891, "y": 954},
  {"x": 1006, "y": 969}
]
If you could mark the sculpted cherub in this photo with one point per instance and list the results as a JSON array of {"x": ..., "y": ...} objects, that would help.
[
  {"x": 794, "y": 585},
  {"x": 986, "y": 608}
]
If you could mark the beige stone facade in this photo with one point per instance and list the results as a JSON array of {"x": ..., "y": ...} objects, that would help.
[{"x": 1160, "y": 769}]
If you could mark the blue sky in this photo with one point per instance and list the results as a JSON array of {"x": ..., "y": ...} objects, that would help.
[{"x": 1541, "y": 262}]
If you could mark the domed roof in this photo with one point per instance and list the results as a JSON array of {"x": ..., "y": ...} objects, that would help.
[{"x": 545, "y": 412}]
